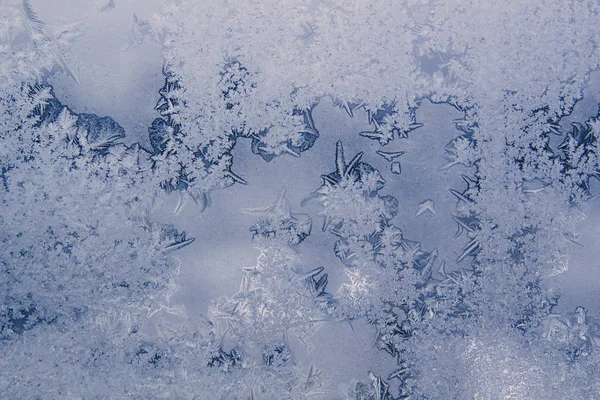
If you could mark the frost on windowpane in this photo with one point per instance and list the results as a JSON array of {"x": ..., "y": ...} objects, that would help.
[{"x": 88, "y": 274}]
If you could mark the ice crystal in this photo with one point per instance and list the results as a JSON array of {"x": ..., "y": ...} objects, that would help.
[
  {"x": 351, "y": 204},
  {"x": 88, "y": 275},
  {"x": 278, "y": 219},
  {"x": 274, "y": 297},
  {"x": 49, "y": 268}
]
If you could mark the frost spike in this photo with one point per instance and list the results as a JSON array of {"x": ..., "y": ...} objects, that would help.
[
  {"x": 244, "y": 285},
  {"x": 170, "y": 109},
  {"x": 350, "y": 323},
  {"x": 104, "y": 143},
  {"x": 347, "y": 108},
  {"x": 236, "y": 178},
  {"x": 377, "y": 336},
  {"x": 460, "y": 196},
  {"x": 222, "y": 338},
  {"x": 178, "y": 245},
  {"x": 153, "y": 309},
  {"x": 328, "y": 179},
  {"x": 345, "y": 105},
  {"x": 322, "y": 319},
  {"x": 462, "y": 225},
  {"x": 448, "y": 166},
  {"x": 410, "y": 245},
  {"x": 340, "y": 163},
  {"x": 312, "y": 196},
  {"x": 414, "y": 126},
  {"x": 428, "y": 269},
  {"x": 309, "y": 118},
  {"x": 381, "y": 387},
  {"x": 336, "y": 233},
  {"x": 462, "y": 124},
  {"x": 398, "y": 373},
  {"x": 290, "y": 152},
  {"x": 193, "y": 198},
  {"x": 555, "y": 128},
  {"x": 326, "y": 222},
  {"x": 160, "y": 103},
  {"x": 468, "y": 180},
  {"x": 471, "y": 247},
  {"x": 442, "y": 269},
  {"x": 354, "y": 161},
  {"x": 64, "y": 66},
  {"x": 377, "y": 135},
  {"x": 32, "y": 18},
  {"x": 390, "y": 155},
  {"x": 534, "y": 191},
  {"x": 310, "y": 374},
  {"x": 459, "y": 231},
  {"x": 205, "y": 201},
  {"x": 180, "y": 204},
  {"x": 312, "y": 273},
  {"x": 321, "y": 284},
  {"x": 372, "y": 120},
  {"x": 310, "y": 131},
  {"x": 569, "y": 238},
  {"x": 281, "y": 207}
]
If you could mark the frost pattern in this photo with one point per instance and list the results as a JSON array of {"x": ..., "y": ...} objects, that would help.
[{"x": 81, "y": 258}]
